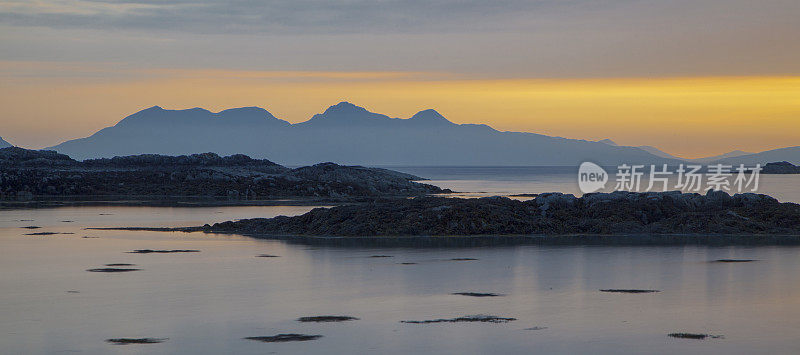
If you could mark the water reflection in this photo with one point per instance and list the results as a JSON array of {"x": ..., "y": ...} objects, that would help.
[{"x": 206, "y": 302}]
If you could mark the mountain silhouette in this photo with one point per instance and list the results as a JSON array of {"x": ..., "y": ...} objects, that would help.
[
  {"x": 4, "y": 144},
  {"x": 789, "y": 154},
  {"x": 731, "y": 154},
  {"x": 736, "y": 157},
  {"x": 344, "y": 133}
]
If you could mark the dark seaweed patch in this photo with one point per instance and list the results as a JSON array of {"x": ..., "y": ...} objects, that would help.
[
  {"x": 112, "y": 269},
  {"x": 536, "y": 328},
  {"x": 48, "y": 233},
  {"x": 280, "y": 338},
  {"x": 126, "y": 341},
  {"x": 629, "y": 291},
  {"x": 697, "y": 336},
  {"x": 149, "y": 251},
  {"x": 326, "y": 319},
  {"x": 472, "y": 318},
  {"x": 477, "y": 294}
]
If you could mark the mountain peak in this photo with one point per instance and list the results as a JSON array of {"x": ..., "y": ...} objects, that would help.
[
  {"x": 249, "y": 110},
  {"x": 345, "y": 107},
  {"x": 429, "y": 116},
  {"x": 345, "y": 114},
  {"x": 248, "y": 115},
  {"x": 608, "y": 141}
]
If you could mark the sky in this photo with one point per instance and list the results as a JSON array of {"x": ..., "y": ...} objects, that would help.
[{"x": 694, "y": 78}]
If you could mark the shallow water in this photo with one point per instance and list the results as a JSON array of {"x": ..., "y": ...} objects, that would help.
[
  {"x": 489, "y": 181},
  {"x": 206, "y": 302}
]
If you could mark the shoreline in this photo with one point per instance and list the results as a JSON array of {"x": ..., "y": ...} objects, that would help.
[
  {"x": 635, "y": 239},
  {"x": 184, "y": 201},
  {"x": 619, "y": 218}
]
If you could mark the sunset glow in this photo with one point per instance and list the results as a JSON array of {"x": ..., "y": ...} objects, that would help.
[{"x": 691, "y": 116}]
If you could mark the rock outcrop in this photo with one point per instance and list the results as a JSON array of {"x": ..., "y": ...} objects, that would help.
[
  {"x": 598, "y": 213},
  {"x": 28, "y": 174},
  {"x": 783, "y": 167}
]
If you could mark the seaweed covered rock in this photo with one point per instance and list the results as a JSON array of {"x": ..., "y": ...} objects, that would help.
[
  {"x": 612, "y": 213},
  {"x": 27, "y": 174}
]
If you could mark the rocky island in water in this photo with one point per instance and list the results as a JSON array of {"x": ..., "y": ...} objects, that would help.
[
  {"x": 782, "y": 167},
  {"x": 553, "y": 213},
  {"x": 379, "y": 203},
  {"x": 598, "y": 218},
  {"x": 30, "y": 176}
]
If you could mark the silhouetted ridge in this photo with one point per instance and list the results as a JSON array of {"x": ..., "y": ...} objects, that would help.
[
  {"x": 343, "y": 133},
  {"x": 247, "y": 115},
  {"x": 4, "y": 144},
  {"x": 204, "y": 159},
  {"x": 24, "y": 157},
  {"x": 344, "y": 107},
  {"x": 609, "y": 142},
  {"x": 429, "y": 116}
]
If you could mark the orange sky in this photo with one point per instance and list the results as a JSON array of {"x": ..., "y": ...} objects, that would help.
[{"x": 42, "y": 104}]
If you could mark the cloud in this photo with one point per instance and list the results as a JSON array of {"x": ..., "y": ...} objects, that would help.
[
  {"x": 276, "y": 16},
  {"x": 541, "y": 38}
]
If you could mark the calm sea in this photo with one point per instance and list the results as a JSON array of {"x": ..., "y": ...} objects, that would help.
[
  {"x": 488, "y": 181},
  {"x": 206, "y": 302}
]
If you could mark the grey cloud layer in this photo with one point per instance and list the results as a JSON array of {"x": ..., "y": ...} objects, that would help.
[
  {"x": 544, "y": 38},
  {"x": 293, "y": 16}
]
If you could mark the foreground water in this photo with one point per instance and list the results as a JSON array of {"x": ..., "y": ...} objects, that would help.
[{"x": 206, "y": 302}]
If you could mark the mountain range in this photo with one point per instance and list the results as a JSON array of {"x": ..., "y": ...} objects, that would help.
[
  {"x": 660, "y": 153},
  {"x": 349, "y": 134},
  {"x": 4, "y": 144}
]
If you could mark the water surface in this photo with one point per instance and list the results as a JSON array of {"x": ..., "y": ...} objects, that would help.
[
  {"x": 489, "y": 181},
  {"x": 206, "y": 302}
]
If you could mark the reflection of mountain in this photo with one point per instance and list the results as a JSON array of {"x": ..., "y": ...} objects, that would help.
[
  {"x": 344, "y": 133},
  {"x": 4, "y": 144}
]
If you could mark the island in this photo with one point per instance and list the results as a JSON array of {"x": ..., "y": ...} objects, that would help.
[
  {"x": 34, "y": 177},
  {"x": 551, "y": 218},
  {"x": 783, "y": 167}
]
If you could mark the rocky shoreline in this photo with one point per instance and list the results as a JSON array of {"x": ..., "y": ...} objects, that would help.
[
  {"x": 619, "y": 218},
  {"x": 30, "y": 178},
  {"x": 548, "y": 214}
]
